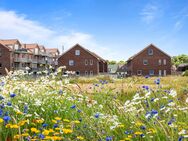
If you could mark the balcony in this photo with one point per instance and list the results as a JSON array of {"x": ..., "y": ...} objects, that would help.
[
  {"x": 41, "y": 61},
  {"x": 34, "y": 61},
  {"x": 21, "y": 60}
]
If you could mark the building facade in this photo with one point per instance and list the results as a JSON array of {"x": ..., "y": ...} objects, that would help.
[
  {"x": 149, "y": 61},
  {"x": 24, "y": 56},
  {"x": 82, "y": 61}
]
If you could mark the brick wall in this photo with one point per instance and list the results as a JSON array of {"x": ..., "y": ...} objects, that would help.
[
  {"x": 79, "y": 61},
  {"x": 5, "y": 59}
]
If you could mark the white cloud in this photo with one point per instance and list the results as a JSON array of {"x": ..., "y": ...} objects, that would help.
[
  {"x": 13, "y": 25},
  {"x": 149, "y": 13}
]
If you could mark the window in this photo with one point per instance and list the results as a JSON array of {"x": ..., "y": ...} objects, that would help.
[
  {"x": 86, "y": 73},
  {"x": 160, "y": 62},
  {"x": 145, "y": 62},
  {"x": 150, "y": 51},
  {"x": 86, "y": 62},
  {"x": 0, "y": 73},
  {"x": 0, "y": 65},
  {"x": 0, "y": 52},
  {"x": 160, "y": 72},
  {"x": 164, "y": 61},
  {"x": 164, "y": 73},
  {"x": 77, "y": 73},
  {"x": 139, "y": 72},
  {"x": 91, "y": 62},
  {"x": 91, "y": 73},
  {"x": 77, "y": 52},
  {"x": 151, "y": 72},
  {"x": 16, "y": 46},
  {"x": 71, "y": 62}
]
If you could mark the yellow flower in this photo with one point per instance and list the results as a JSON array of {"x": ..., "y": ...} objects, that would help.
[
  {"x": 1, "y": 120},
  {"x": 56, "y": 138},
  {"x": 121, "y": 126},
  {"x": 57, "y": 128},
  {"x": 8, "y": 125},
  {"x": 25, "y": 134},
  {"x": 39, "y": 121},
  {"x": 54, "y": 121},
  {"x": 46, "y": 132},
  {"x": 129, "y": 136},
  {"x": 57, "y": 118},
  {"x": 138, "y": 123},
  {"x": 51, "y": 130},
  {"x": 66, "y": 120},
  {"x": 76, "y": 121},
  {"x": 127, "y": 139},
  {"x": 17, "y": 136},
  {"x": 138, "y": 133},
  {"x": 14, "y": 126},
  {"x": 19, "y": 113},
  {"x": 35, "y": 130},
  {"x": 67, "y": 131},
  {"x": 80, "y": 138},
  {"x": 151, "y": 130},
  {"x": 21, "y": 123}
]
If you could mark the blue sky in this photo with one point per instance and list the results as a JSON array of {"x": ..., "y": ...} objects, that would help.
[{"x": 115, "y": 29}]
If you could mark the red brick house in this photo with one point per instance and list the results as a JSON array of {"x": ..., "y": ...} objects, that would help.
[
  {"x": 149, "y": 61},
  {"x": 82, "y": 61},
  {"x": 5, "y": 59}
]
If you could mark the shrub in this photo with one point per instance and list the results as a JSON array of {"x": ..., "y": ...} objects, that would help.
[{"x": 185, "y": 73}]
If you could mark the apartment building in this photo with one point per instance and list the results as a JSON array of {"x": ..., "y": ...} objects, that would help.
[{"x": 24, "y": 56}]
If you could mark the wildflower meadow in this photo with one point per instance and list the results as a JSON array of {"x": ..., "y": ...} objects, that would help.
[{"x": 93, "y": 109}]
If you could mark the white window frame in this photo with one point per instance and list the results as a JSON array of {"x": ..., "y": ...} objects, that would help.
[
  {"x": 164, "y": 61},
  {"x": 160, "y": 72},
  {"x": 160, "y": 62},
  {"x": 164, "y": 73},
  {"x": 78, "y": 73},
  {"x": 91, "y": 73},
  {"x": 144, "y": 62},
  {"x": 150, "y": 53},
  {"x": 152, "y": 73},
  {"x": 86, "y": 62},
  {"x": 86, "y": 73},
  {"x": 91, "y": 62},
  {"x": 77, "y": 52},
  {"x": 71, "y": 62},
  {"x": 139, "y": 72}
]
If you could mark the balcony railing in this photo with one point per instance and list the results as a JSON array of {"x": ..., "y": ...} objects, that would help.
[
  {"x": 22, "y": 60},
  {"x": 34, "y": 61},
  {"x": 42, "y": 61}
]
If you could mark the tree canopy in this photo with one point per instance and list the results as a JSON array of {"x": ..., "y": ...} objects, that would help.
[{"x": 176, "y": 60}]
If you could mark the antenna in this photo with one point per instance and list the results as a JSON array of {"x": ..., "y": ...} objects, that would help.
[{"x": 62, "y": 48}]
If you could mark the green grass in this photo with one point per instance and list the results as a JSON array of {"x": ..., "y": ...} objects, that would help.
[{"x": 97, "y": 108}]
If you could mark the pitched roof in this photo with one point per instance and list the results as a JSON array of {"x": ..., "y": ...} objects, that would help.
[
  {"x": 31, "y": 46},
  {"x": 42, "y": 47},
  {"x": 52, "y": 50},
  {"x": 9, "y": 41},
  {"x": 92, "y": 53},
  {"x": 6, "y": 47},
  {"x": 132, "y": 57},
  {"x": 122, "y": 68}
]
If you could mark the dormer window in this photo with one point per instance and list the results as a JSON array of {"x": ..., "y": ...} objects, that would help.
[
  {"x": 150, "y": 51},
  {"x": 145, "y": 62},
  {"x": 16, "y": 46},
  {"x": 77, "y": 52}
]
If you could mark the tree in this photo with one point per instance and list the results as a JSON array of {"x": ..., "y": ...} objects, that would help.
[{"x": 176, "y": 60}]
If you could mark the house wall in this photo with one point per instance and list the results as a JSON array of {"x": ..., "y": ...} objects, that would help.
[
  {"x": 153, "y": 62},
  {"x": 5, "y": 59},
  {"x": 79, "y": 61}
]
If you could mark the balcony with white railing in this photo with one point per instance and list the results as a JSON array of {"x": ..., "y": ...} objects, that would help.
[
  {"x": 17, "y": 59},
  {"x": 41, "y": 61},
  {"x": 34, "y": 61}
]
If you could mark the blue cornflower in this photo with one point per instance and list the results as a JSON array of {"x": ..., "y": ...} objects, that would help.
[
  {"x": 6, "y": 118},
  {"x": 25, "y": 109},
  {"x": 142, "y": 135},
  {"x": 60, "y": 91},
  {"x": 1, "y": 112},
  {"x": 180, "y": 138},
  {"x": 143, "y": 127},
  {"x": 108, "y": 138},
  {"x": 44, "y": 125},
  {"x": 126, "y": 132},
  {"x": 12, "y": 95},
  {"x": 157, "y": 81},
  {"x": 9, "y": 103},
  {"x": 41, "y": 136},
  {"x": 147, "y": 76},
  {"x": 97, "y": 115},
  {"x": 79, "y": 111},
  {"x": 73, "y": 106},
  {"x": 154, "y": 112},
  {"x": 55, "y": 125},
  {"x": 152, "y": 99}
]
